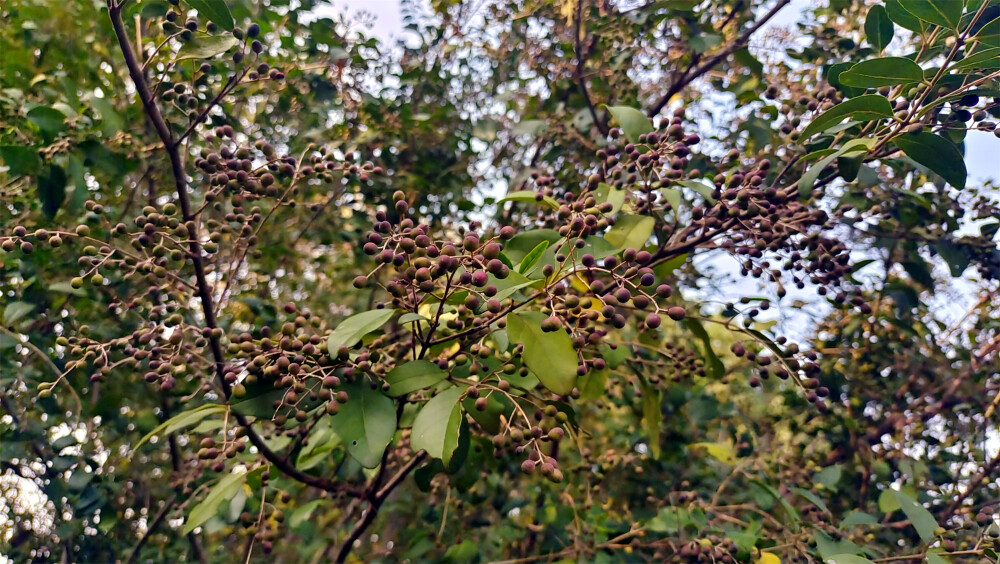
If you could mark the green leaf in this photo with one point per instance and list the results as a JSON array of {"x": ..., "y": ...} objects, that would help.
[
  {"x": 523, "y": 243},
  {"x": 436, "y": 427},
  {"x": 833, "y": 77},
  {"x": 182, "y": 420},
  {"x": 652, "y": 417},
  {"x": 304, "y": 512},
  {"x": 366, "y": 423},
  {"x": 411, "y": 317},
  {"x": 489, "y": 419},
  {"x": 887, "y": 502},
  {"x": 808, "y": 180},
  {"x": 704, "y": 190},
  {"x": 260, "y": 401},
  {"x": 812, "y": 498},
  {"x": 665, "y": 269},
  {"x": 529, "y": 196},
  {"x": 111, "y": 121},
  {"x": 593, "y": 384},
  {"x": 206, "y": 47},
  {"x": 957, "y": 256},
  {"x": 550, "y": 356},
  {"x": 15, "y": 311},
  {"x": 20, "y": 160},
  {"x": 705, "y": 41},
  {"x": 633, "y": 122},
  {"x": 878, "y": 27},
  {"x": 716, "y": 369},
  {"x": 886, "y": 71},
  {"x": 631, "y": 231},
  {"x": 933, "y": 558},
  {"x": 855, "y": 518},
  {"x": 465, "y": 551},
  {"x": 848, "y": 559},
  {"x": 412, "y": 376},
  {"x": 945, "y": 13},
  {"x": 49, "y": 120},
  {"x": 922, "y": 520},
  {"x": 895, "y": 11},
  {"x": 322, "y": 441},
  {"x": 936, "y": 153},
  {"x": 529, "y": 127},
  {"x": 791, "y": 513},
  {"x": 514, "y": 282},
  {"x": 352, "y": 329},
  {"x": 236, "y": 505},
  {"x": 672, "y": 519},
  {"x": 215, "y": 10},
  {"x": 673, "y": 197},
  {"x": 223, "y": 491},
  {"x": 66, "y": 288},
  {"x": 506, "y": 260},
  {"x": 987, "y": 59},
  {"x": 863, "y": 108},
  {"x": 7, "y": 342},
  {"x": 919, "y": 271},
  {"x": 989, "y": 34},
  {"x": 849, "y": 167},
  {"x": 829, "y": 477},
  {"x": 532, "y": 257},
  {"x": 607, "y": 193},
  {"x": 52, "y": 189}
]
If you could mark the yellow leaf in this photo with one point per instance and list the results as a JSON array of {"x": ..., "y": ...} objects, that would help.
[
  {"x": 568, "y": 11},
  {"x": 723, "y": 452},
  {"x": 768, "y": 558},
  {"x": 578, "y": 283},
  {"x": 454, "y": 348}
]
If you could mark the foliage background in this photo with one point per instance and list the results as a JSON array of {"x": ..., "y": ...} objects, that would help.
[{"x": 659, "y": 458}]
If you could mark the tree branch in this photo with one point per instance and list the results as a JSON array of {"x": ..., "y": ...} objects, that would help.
[
  {"x": 693, "y": 73},
  {"x": 172, "y": 147},
  {"x": 376, "y": 502},
  {"x": 151, "y": 528}
]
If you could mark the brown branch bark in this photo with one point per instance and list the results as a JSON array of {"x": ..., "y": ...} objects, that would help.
[
  {"x": 204, "y": 289},
  {"x": 376, "y": 503}
]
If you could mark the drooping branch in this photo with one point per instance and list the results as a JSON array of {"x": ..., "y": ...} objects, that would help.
[{"x": 204, "y": 289}]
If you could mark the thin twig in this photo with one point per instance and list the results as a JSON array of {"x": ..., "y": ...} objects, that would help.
[
  {"x": 693, "y": 73},
  {"x": 151, "y": 528}
]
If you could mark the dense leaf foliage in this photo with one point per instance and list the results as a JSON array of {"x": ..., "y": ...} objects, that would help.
[{"x": 551, "y": 280}]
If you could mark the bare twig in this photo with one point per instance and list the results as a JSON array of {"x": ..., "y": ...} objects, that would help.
[{"x": 694, "y": 72}]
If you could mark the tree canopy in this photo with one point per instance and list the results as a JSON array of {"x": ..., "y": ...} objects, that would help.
[{"x": 548, "y": 281}]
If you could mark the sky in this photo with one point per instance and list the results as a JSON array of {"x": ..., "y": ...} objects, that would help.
[{"x": 981, "y": 158}]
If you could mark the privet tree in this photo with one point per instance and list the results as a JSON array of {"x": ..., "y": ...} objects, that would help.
[{"x": 274, "y": 291}]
